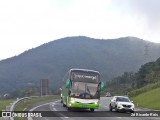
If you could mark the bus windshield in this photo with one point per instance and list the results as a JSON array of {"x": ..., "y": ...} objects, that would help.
[{"x": 84, "y": 90}]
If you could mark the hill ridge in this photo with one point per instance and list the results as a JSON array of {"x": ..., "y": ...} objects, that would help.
[{"x": 52, "y": 60}]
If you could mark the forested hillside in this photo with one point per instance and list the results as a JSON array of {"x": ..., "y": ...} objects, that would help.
[
  {"x": 148, "y": 76},
  {"x": 52, "y": 60}
]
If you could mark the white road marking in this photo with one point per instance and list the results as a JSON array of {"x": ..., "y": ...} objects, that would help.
[
  {"x": 38, "y": 106},
  {"x": 63, "y": 115},
  {"x": 52, "y": 106},
  {"x": 45, "y": 118},
  {"x": 119, "y": 117},
  {"x": 30, "y": 118},
  {"x": 157, "y": 118},
  {"x": 54, "y": 109}
]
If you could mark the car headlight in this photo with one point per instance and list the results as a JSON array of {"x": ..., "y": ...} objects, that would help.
[
  {"x": 132, "y": 106},
  {"x": 119, "y": 105}
]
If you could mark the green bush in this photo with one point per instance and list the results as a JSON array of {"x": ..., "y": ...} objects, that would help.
[{"x": 4, "y": 103}]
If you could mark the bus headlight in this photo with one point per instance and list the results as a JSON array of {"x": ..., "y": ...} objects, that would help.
[
  {"x": 72, "y": 101},
  {"x": 96, "y": 103}
]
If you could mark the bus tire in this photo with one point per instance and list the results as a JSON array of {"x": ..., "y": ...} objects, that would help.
[
  {"x": 92, "y": 109},
  {"x": 61, "y": 100},
  {"x": 68, "y": 108},
  {"x": 64, "y": 105}
]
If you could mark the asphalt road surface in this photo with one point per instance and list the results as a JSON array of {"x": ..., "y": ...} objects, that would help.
[{"x": 102, "y": 113}]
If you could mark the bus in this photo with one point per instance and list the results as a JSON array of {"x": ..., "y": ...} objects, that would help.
[{"x": 81, "y": 89}]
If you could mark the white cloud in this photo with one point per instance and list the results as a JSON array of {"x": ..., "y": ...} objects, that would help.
[
  {"x": 29, "y": 23},
  {"x": 143, "y": 12}
]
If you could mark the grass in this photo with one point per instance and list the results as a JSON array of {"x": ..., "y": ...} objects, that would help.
[
  {"x": 144, "y": 89},
  {"x": 23, "y": 104},
  {"x": 150, "y": 99},
  {"x": 4, "y": 103}
]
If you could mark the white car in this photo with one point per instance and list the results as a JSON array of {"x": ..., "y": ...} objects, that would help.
[{"x": 121, "y": 103}]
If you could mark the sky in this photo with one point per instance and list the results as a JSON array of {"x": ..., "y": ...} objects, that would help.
[{"x": 26, "y": 24}]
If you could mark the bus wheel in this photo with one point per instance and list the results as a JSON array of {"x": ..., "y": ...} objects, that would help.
[
  {"x": 92, "y": 109},
  {"x": 68, "y": 108},
  {"x": 61, "y": 100},
  {"x": 64, "y": 105}
]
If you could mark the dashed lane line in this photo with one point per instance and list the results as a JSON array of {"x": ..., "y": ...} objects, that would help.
[{"x": 30, "y": 118}]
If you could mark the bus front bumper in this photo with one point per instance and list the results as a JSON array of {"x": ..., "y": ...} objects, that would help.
[{"x": 83, "y": 105}]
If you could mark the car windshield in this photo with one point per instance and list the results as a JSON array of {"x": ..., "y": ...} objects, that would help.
[{"x": 122, "y": 99}]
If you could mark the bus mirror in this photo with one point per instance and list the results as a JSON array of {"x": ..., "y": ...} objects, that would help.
[
  {"x": 68, "y": 83},
  {"x": 102, "y": 86}
]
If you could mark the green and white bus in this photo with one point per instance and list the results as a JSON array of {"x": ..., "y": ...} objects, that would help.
[{"x": 81, "y": 89}]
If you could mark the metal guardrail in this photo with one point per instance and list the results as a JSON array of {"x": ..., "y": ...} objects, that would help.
[
  {"x": 21, "y": 99},
  {"x": 16, "y": 102}
]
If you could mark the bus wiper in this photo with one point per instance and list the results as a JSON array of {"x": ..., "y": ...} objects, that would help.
[
  {"x": 77, "y": 88},
  {"x": 88, "y": 90}
]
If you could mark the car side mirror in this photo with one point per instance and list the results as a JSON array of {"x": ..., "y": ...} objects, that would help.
[
  {"x": 68, "y": 83},
  {"x": 102, "y": 86},
  {"x": 131, "y": 101}
]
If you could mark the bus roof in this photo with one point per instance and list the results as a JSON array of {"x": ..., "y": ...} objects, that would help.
[{"x": 84, "y": 70}]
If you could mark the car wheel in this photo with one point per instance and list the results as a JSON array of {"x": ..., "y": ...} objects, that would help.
[
  {"x": 61, "y": 100},
  {"x": 110, "y": 107},
  {"x": 116, "y": 109}
]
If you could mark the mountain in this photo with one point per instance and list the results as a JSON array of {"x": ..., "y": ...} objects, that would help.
[{"x": 52, "y": 60}]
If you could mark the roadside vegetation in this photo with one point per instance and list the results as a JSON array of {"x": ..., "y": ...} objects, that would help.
[
  {"x": 144, "y": 89},
  {"x": 28, "y": 102},
  {"x": 147, "y": 75},
  {"x": 149, "y": 99},
  {"x": 4, "y": 103},
  {"x": 23, "y": 104}
]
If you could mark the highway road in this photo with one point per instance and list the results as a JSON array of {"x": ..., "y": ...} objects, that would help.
[{"x": 102, "y": 113}]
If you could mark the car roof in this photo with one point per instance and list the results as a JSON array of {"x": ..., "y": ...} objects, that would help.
[{"x": 121, "y": 96}]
